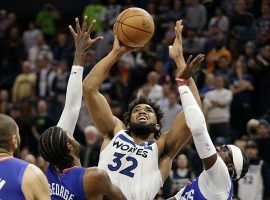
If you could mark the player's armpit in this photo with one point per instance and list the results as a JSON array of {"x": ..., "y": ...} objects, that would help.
[
  {"x": 34, "y": 184},
  {"x": 97, "y": 183},
  {"x": 174, "y": 139}
]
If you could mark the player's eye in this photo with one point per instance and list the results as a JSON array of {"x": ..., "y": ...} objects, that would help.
[
  {"x": 135, "y": 110},
  {"x": 149, "y": 110}
]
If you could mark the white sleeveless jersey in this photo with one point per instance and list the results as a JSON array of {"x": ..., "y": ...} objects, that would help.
[
  {"x": 133, "y": 168},
  {"x": 253, "y": 181}
]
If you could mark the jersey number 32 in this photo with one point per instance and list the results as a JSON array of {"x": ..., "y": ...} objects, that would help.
[{"x": 117, "y": 164}]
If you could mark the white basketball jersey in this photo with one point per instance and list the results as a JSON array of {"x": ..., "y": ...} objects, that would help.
[
  {"x": 253, "y": 181},
  {"x": 133, "y": 168}
]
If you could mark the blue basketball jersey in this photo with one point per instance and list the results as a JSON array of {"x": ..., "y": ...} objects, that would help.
[
  {"x": 192, "y": 191},
  {"x": 11, "y": 175},
  {"x": 67, "y": 185}
]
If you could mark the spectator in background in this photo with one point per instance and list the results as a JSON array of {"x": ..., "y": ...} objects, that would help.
[
  {"x": 195, "y": 15},
  {"x": 256, "y": 179},
  {"x": 30, "y": 36},
  {"x": 40, "y": 122},
  {"x": 217, "y": 105},
  {"x": 4, "y": 22},
  {"x": 241, "y": 143},
  {"x": 45, "y": 77},
  {"x": 182, "y": 174},
  {"x": 193, "y": 44},
  {"x": 31, "y": 159},
  {"x": 263, "y": 62},
  {"x": 46, "y": 20},
  {"x": 263, "y": 141},
  {"x": 94, "y": 11},
  {"x": 93, "y": 145},
  {"x": 60, "y": 81},
  {"x": 209, "y": 84},
  {"x": 223, "y": 68},
  {"x": 63, "y": 50},
  {"x": 38, "y": 50},
  {"x": 241, "y": 23},
  {"x": 14, "y": 50},
  {"x": 23, "y": 124},
  {"x": 155, "y": 89},
  {"x": 176, "y": 12},
  {"x": 107, "y": 33},
  {"x": 263, "y": 24},
  {"x": 111, "y": 12},
  {"x": 221, "y": 21},
  {"x": 25, "y": 83},
  {"x": 171, "y": 111},
  {"x": 164, "y": 101},
  {"x": 251, "y": 128},
  {"x": 241, "y": 87},
  {"x": 215, "y": 53},
  {"x": 90, "y": 61}
]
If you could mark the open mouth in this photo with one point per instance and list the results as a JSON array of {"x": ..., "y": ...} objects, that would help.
[{"x": 142, "y": 118}]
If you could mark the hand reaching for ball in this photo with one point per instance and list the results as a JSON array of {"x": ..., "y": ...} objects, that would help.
[{"x": 81, "y": 37}]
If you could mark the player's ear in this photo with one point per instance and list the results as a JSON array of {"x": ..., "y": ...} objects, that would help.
[
  {"x": 70, "y": 147},
  {"x": 15, "y": 141},
  {"x": 157, "y": 127},
  {"x": 128, "y": 126},
  {"x": 230, "y": 167}
]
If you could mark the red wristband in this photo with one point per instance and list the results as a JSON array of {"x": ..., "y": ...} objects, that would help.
[{"x": 181, "y": 80}]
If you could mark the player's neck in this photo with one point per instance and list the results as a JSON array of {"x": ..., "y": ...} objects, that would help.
[
  {"x": 4, "y": 154},
  {"x": 139, "y": 139}
]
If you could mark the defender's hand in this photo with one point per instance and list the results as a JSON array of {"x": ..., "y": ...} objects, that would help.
[
  {"x": 176, "y": 50},
  {"x": 81, "y": 37},
  {"x": 192, "y": 66}
]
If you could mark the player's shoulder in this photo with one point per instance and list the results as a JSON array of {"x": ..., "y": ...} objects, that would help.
[
  {"x": 95, "y": 179},
  {"x": 94, "y": 174},
  {"x": 32, "y": 172}
]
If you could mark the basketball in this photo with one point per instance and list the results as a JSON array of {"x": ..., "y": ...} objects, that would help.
[{"x": 134, "y": 27}]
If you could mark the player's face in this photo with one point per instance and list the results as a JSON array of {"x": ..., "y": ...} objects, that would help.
[
  {"x": 143, "y": 120},
  {"x": 143, "y": 114},
  {"x": 76, "y": 147},
  {"x": 17, "y": 146},
  {"x": 224, "y": 152}
]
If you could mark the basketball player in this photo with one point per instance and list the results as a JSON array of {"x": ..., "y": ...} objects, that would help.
[
  {"x": 67, "y": 179},
  {"x": 221, "y": 165},
  {"x": 18, "y": 179},
  {"x": 137, "y": 158}
]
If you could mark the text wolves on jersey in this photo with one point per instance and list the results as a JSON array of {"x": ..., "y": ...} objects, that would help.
[{"x": 134, "y": 149}]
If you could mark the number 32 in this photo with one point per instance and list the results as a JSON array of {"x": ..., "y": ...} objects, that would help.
[{"x": 117, "y": 161}]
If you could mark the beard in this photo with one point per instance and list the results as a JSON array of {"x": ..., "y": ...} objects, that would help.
[{"x": 142, "y": 129}]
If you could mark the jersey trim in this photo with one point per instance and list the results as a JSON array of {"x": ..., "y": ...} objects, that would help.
[{"x": 6, "y": 158}]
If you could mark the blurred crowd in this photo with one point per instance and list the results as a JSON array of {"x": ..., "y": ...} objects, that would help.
[{"x": 234, "y": 80}]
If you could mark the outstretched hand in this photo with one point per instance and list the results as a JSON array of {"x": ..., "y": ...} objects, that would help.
[
  {"x": 176, "y": 50},
  {"x": 192, "y": 66},
  {"x": 81, "y": 37}
]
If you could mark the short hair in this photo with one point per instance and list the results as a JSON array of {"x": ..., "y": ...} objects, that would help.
[
  {"x": 8, "y": 128},
  {"x": 53, "y": 147},
  {"x": 144, "y": 100}
]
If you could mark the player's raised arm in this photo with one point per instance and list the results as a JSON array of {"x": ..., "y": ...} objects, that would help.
[
  {"x": 72, "y": 107},
  {"x": 179, "y": 133},
  {"x": 98, "y": 107}
]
